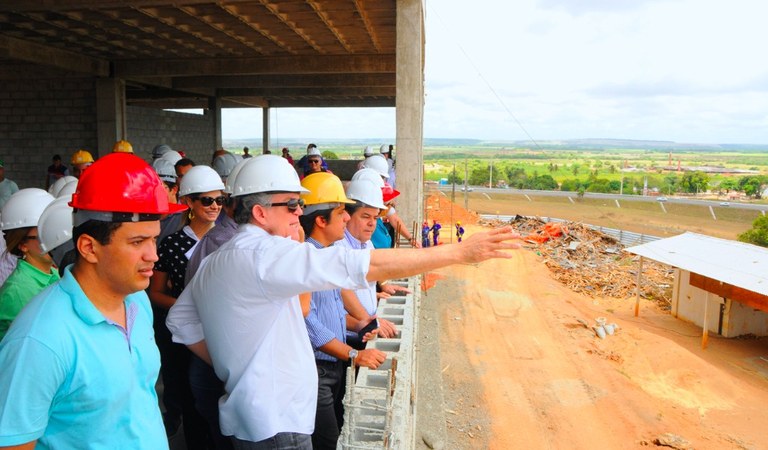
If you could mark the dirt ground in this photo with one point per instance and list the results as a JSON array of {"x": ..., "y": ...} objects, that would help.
[{"x": 518, "y": 370}]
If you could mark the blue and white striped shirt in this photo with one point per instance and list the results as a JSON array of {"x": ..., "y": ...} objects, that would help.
[{"x": 326, "y": 319}]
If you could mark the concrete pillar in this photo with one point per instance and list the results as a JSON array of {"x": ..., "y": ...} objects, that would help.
[
  {"x": 265, "y": 128},
  {"x": 410, "y": 110},
  {"x": 110, "y": 114},
  {"x": 214, "y": 107}
]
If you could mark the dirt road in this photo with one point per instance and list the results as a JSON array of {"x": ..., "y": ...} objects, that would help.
[{"x": 520, "y": 372}]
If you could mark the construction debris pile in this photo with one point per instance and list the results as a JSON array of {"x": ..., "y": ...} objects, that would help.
[{"x": 591, "y": 262}]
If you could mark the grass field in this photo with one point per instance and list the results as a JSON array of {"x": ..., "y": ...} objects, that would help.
[{"x": 635, "y": 216}]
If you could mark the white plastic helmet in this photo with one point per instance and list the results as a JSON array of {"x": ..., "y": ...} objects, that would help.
[
  {"x": 55, "y": 225},
  {"x": 266, "y": 173},
  {"x": 368, "y": 151},
  {"x": 200, "y": 179},
  {"x": 58, "y": 184},
  {"x": 225, "y": 163},
  {"x": 384, "y": 149},
  {"x": 366, "y": 191},
  {"x": 369, "y": 174},
  {"x": 172, "y": 155},
  {"x": 229, "y": 183},
  {"x": 377, "y": 163},
  {"x": 160, "y": 150},
  {"x": 165, "y": 170},
  {"x": 68, "y": 190},
  {"x": 23, "y": 209},
  {"x": 314, "y": 151}
]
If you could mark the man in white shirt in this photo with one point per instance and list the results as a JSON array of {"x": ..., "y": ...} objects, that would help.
[{"x": 241, "y": 310}]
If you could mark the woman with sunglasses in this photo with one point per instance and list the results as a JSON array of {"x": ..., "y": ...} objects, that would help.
[
  {"x": 34, "y": 271},
  {"x": 201, "y": 190}
]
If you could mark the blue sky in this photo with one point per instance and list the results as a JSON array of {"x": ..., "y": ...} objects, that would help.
[{"x": 685, "y": 71}]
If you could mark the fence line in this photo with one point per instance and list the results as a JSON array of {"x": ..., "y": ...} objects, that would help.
[{"x": 627, "y": 238}]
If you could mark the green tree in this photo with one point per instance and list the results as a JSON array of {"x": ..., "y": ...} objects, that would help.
[
  {"x": 575, "y": 169},
  {"x": 750, "y": 185},
  {"x": 758, "y": 235},
  {"x": 694, "y": 182},
  {"x": 327, "y": 154}
]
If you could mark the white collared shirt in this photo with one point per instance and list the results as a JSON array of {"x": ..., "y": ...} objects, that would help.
[{"x": 244, "y": 301}]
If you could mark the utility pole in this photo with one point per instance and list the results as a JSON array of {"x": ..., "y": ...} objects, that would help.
[
  {"x": 466, "y": 180},
  {"x": 490, "y": 177}
]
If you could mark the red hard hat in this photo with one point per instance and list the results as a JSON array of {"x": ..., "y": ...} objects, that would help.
[
  {"x": 388, "y": 193},
  {"x": 124, "y": 183}
]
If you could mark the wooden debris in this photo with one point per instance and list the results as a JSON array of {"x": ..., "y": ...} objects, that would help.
[{"x": 590, "y": 262}]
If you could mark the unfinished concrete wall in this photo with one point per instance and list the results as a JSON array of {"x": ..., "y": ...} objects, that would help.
[
  {"x": 191, "y": 133},
  {"x": 41, "y": 118}
]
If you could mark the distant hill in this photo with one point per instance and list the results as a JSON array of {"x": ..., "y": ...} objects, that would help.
[{"x": 566, "y": 144}]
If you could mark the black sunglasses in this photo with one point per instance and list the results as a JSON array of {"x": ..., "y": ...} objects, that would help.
[
  {"x": 314, "y": 161},
  {"x": 208, "y": 201},
  {"x": 292, "y": 204}
]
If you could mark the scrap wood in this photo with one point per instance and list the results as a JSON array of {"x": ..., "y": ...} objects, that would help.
[{"x": 595, "y": 265}]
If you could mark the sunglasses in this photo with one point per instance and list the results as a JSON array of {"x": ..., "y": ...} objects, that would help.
[
  {"x": 314, "y": 161},
  {"x": 208, "y": 201},
  {"x": 30, "y": 238},
  {"x": 292, "y": 204}
]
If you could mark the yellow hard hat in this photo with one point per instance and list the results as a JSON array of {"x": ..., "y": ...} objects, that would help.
[
  {"x": 325, "y": 192},
  {"x": 81, "y": 157},
  {"x": 458, "y": 223},
  {"x": 122, "y": 146}
]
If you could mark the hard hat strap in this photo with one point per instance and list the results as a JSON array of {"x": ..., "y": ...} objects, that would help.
[{"x": 82, "y": 216}]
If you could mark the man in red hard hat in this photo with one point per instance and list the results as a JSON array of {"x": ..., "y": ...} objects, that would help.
[{"x": 80, "y": 362}]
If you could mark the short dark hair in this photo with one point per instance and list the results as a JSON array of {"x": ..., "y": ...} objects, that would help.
[
  {"x": 352, "y": 208},
  {"x": 307, "y": 221},
  {"x": 57, "y": 157},
  {"x": 246, "y": 203},
  {"x": 183, "y": 162},
  {"x": 14, "y": 238},
  {"x": 101, "y": 231}
]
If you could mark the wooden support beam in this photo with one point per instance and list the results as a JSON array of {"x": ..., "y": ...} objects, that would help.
[
  {"x": 309, "y": 92},
  {"x": 287, "y": 81},
  {"x": 18, "y": 49},
  {"x": 253, "y": 66}
]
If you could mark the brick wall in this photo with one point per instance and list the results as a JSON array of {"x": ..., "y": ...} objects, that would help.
[
  {"x": 41, "y": 118},
  {"x": 191, "y": 133}
]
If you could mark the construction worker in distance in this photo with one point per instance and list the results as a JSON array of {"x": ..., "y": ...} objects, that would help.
[
  {"x": 425, "y": 234},
  {"x": 459, "y": 231},
  {"x": 324, "y": 221},
  {"x": 80, "y": 161},
  {"x": 122, "y": 146},
  {"x": 34, "y": 270},
  {"x": 436, "y": 232},
  {"x": 241, "y": 309},
  {"x": 386, "y": 151},
  {"x": 79, "y": 362}
]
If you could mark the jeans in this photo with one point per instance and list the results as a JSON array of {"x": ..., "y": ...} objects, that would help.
[
  {"x": 329, "y": 416},
  {"x": 207, "y": 389},
  {"x": 280, "y": 441}
]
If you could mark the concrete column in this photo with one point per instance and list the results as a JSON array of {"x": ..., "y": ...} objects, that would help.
[
  {"x": 410, "y": 110},
  {"x": 110, "y": 114},
  {"x": 214, "y": 107},
  {"x": 265, "y": 128}
]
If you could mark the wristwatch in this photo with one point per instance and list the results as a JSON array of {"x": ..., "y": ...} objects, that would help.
[{"x": 352, "y": 354}]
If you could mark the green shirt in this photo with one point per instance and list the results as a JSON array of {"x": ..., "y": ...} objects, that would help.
[{"x": 25, "y": 282}]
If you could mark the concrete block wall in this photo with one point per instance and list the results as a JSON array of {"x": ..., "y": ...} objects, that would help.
[
  {"x": 378, "y": 408},
  {"x": 41, "y": 118},
  {"x": 191, "y": 133}
]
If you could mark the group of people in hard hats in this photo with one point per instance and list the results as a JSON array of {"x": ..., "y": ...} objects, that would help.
[{"x": 258, "y": 288}]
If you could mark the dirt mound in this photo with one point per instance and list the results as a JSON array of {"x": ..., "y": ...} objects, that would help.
[{"x": 440, "y": 208}]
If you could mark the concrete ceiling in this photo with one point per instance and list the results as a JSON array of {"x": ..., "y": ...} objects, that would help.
[{"x": 178, "y": 54}]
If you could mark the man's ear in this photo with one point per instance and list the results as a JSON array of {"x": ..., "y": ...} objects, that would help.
[
  {"x": 258, "y": 214},
  {"x": 86, "y": 246},
  {"x": 320, "y": 222}
]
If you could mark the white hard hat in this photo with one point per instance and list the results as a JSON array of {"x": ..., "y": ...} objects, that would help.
[
  {"x": 229, "y": 183},
  {"x": 266, "y": 173},
  {"x": 172, "y": 155},
  {"x": 68, "y": 190},
  {"x": 377, "y": 163},
  {"x": 369, "y": 174},
  {"x": 314, "y": 151},
  {"x": 164, "y": 169},
  {"x": 55, "y": 225},
  {"x": 368, "y": 151},
  {"x": 200, "y": 179},
  {"x": 160, "y": 150},
  {"x": 225, "y": 163},
  {"x": 384, "y": 149},
  {"x": 23, "y": 209},
  {"x": 366, "y": 191},
  {"x": 58, "y": 184}
]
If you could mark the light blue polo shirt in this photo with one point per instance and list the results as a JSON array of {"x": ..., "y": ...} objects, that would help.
[{"x": 72, "y": 379}]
